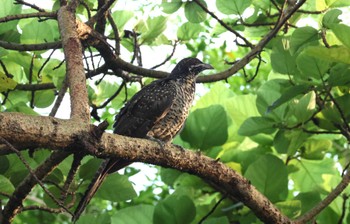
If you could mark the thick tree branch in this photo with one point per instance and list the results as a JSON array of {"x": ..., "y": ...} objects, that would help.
[
  {"x": 74, "y": 64},
  {"x": 51, "y": 15},
  {"x": 30, "y": 47},
  {"x": 60, "y": 134}
]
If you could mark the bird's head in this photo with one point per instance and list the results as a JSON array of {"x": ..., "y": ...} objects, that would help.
[{"x": 188, "y": 67}]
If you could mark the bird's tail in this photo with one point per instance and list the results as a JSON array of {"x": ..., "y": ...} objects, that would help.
[{"x": 108, "y": 166}]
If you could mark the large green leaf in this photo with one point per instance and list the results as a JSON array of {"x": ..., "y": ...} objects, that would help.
[
  {"x": 335, "y": 54},
  {"x": 316, "y": 149},
  {"x": 194, "y": 13},
  {"x": 304, "y": 107},
  {"x": 339, "y": 75},
  {"x": 188, "y": 31},
  {"x": 6, "y": 186},
  {"x": 101, "y": 218},
  {"x": 269, "y": 175},
  {"x": 268, "y": 94},
  {"x": 342, "y": 32},
  {"x": 331, "y": 18},
  {"x": 121, "y": 17},
  {"x": 337, "y": 3},
  {"x": 44, "y": 98},
  {"x": 206, "y": 127},
  {"x": 232, "y": 7},
  {"x": 4, "y": 164},
  {"x": 288, "y": 94},
  {"x": 314, "y": 175},
  {"x": 151, "y": 28},
  {"x": 281, "y": 59},
  {"x": 8, "y": 8},
  {"x": 39, "y": 32},
  {"x": 302, "y": 37},
  {"x": 257, "y": 125},
  {"x": 134, "y": 215},
  {"x": 171, "y": 6},
  {"x": 175, "y": 209},
  {"x": 116, "y": 188},
  {"x": 312, "y": 66},
  {"x": 289, "y": 141},
  {"x": 290, "y": 208},
  {"x": 6, "y": 83}
]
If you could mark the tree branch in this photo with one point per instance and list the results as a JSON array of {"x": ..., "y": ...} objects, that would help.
[
  {"x": 323, "y": 204},
  {"x": 74, "y": 64},
  {"x": 62, "y": 134}
]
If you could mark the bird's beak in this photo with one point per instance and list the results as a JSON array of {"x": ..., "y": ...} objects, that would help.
[{"x": 206, "y": 66}]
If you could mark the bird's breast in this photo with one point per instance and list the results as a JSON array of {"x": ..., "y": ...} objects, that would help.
[{"x": 167, "y": 128}]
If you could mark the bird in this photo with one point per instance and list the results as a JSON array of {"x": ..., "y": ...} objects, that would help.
[{"x": 158, "y": 112}]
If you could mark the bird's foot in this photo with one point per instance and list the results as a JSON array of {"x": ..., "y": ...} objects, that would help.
[
  {"x": 179, "y": 147},
  {"x": 161, "y": 143}
]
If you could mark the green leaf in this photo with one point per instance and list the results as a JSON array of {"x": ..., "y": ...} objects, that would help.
[
  {"x": 216, "y": 220},
  {"x": 316, "y": 149},
  {"x": 337, "y": 3},
  {"x": 257, "y": 125},
  {"x": 116, "y": 188},
  {"x": 85, "y": 169},
  {"x": 175, "y": 209},
  {"x": 339, "y": 75},
  {"x": 56, "y": 192},
  {"x": 194, "y": 13},
  {"x": 4, "y": 164},
  {"x": 281, "y": 59},
  {"x": 23, "y": 108},
  {"x": 188, "y": 31},
  {"x": 151, "y": 29},
  {"x": 331, "y": 18},
  {"x": 204, "y": 132},
  {"x": 288, "y": 94},
  {"x": 121, "y": 17},
  {"x": 169, "y": 176},
  {"x": 233, "y": 7},
  {"x": 342, "y": 32},
  {"x": 134, "y": 215},
  {"x": 36, "y": 32},
  {"x": 313, "y": 175},
  {"x": 269, "y": 175},
  {"x": 6, "y": 83},
  {"x": 6, "y": 186},
  {"x": 335, "y": 54},
  {"x": 312, "y": 66},
  {"x": 8, "y": 8},
  {"x": 290, "y": 208},
  {"x": 308, "y": 200},
  {"x": 170, "y": 7},
  {"x": 305, "y": 107},
  {"x": 289, "y": 141},
  {"x": 101, "y": 218},
  {"x": 44, "y": 98},
  {"x": 268, "y": 94},
  {"x": 303, "y": 37}
]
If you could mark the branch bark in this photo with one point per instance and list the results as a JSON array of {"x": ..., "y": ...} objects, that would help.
[
  {"x": 74, "y": 64},
  {"x": 60, "y": 134}
]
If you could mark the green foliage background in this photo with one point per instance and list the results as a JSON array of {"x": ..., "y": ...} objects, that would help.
[{"x": 287, "y": 130}]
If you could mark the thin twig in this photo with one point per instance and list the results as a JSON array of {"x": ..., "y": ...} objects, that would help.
[
  {"x": 33, "y": 6},
  {"x": 212, "y": 210},
  {"x": 167, "y": 58},
  {"x": 222, "y": 23}
]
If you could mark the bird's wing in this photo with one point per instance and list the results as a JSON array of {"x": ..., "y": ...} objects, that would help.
[{"x": 145, "y": 108}]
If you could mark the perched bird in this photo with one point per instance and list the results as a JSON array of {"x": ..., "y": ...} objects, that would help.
[{"x": 158, "y": 111}]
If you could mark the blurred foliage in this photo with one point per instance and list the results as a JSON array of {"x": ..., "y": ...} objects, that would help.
[{"x": 286, "y": 130}]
